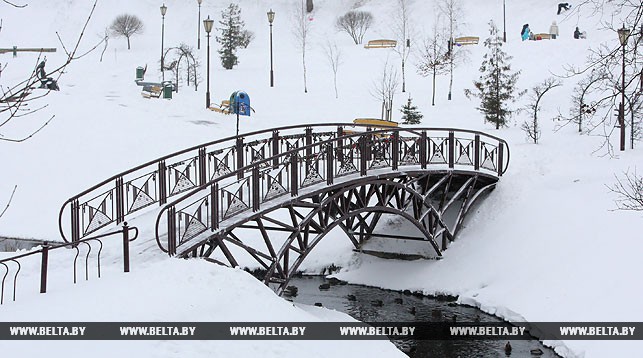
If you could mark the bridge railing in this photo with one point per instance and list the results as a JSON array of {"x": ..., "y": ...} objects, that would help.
[
  {"x": 12, "y": 264},
  {"x": 251, "y": 188},
  {"x": 162, "y": 179}
]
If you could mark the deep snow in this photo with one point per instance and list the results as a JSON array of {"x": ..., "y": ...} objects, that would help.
[{"x": 546, "y": 245}]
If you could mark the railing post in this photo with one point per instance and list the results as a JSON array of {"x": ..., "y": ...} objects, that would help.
[
  {"x": 43, "y": 267},
  {"x": 214, "y": 202},
  {"x": 162, "y": 182},
  {"x": 125, "y": 247},
  {"x": 423, "y": 153},
  {"x": 309, "y": 151},
  {"x": 120, "y": 201},
  {"x": 75, "y": 221},
  {"x": 240, "y": 161},
  {"x": 202, "y": 166},
  {"x": 275, "y": 148},
  {"x": 171, "y": 231},
  {"x": 476, "y": 154},
  {"x": 363, "y": 154},
  {"x": 395, "y": 150},
  {"x": 255, "y": 188},
  {"x": 451, "y": 149},
  {"x": 500, "y": 158},
  {"x": 330, "y": 172},
  {"x": 340, "y": 144},
  {"x": 294, "y": 175}
]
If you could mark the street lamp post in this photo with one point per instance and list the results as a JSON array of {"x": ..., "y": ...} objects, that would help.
[
  {"x": 623, "y": 35},
  {"x": 271, "y": 18},
  {"x": 198, "y": 27},
  {"x": 504, "y": 23},
  {"x": 163, "y": 11},
  {"x": 207, "y": 24}
]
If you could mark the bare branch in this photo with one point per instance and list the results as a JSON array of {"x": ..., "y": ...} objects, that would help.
[
  {"x": 14, "y": 5},
  {"x": 9, "y": 202},
  {"x": 629, "y": 191}
]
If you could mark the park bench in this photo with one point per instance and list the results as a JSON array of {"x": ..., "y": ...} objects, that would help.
[
  {"x": 375, "y": 123},
  {"x": 224, "y": 107},
  {"x": 152, "y": 91},
  {"x": 466, "y": 40},
  {"x": 381, "y": 44}
]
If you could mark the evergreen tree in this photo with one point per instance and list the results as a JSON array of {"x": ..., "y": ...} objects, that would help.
[
  {"x": 410, "y": 113},
  {"x": 232, "y": 35},
  {"x": 497, "y": 85}
]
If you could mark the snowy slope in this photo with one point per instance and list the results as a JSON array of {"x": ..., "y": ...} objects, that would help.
[{"x": 545, "y": 245}]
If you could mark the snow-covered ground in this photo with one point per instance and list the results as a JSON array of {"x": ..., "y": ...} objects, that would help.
[{"x": 544, "y": 246}]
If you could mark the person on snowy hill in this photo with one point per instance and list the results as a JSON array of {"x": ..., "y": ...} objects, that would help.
[
  {"x": 563, "y": 6},
  {"x": 553, "y": 30},
  {"x": 45, "y": 82},
  {"x": 525, "y": 32},
  {"x": 579, "y": 35}
]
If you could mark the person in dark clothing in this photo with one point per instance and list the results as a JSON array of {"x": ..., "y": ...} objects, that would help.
[
  {"x": 577, "y": 33},
  {"x": 45, "y": 82},
  {"x": 508, "y": 349},
  {"x": 563, "y": 6}
]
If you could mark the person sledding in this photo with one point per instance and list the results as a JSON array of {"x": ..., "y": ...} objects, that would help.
[
  {"x": 45, "y": 82},
  {"x": 563, "y": 6}
]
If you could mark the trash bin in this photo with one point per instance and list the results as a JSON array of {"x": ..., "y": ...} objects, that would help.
[
  {"x": 167, "y": 90},
  {"x": 140, "y": 73}
]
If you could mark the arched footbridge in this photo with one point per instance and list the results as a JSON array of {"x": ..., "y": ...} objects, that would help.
[{"x": 273, "y": 195}]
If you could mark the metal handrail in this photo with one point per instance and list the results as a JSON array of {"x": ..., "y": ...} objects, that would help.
[
  {"x": 44, "y": 252},
  {"x": 119, "y": 215},
  {"x": 288, "y": 154}
]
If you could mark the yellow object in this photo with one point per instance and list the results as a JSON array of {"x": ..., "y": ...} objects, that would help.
[
  {"x": 375, "y": 122},
  {"x": 380, "y": 44},
  {"x": 467, "y": 40}
]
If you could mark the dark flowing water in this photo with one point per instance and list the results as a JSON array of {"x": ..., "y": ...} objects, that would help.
[{"x": 409, "y": 309}]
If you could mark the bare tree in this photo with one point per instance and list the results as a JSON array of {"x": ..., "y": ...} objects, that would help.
[
  {"x": 531, "y": 128},
  {"x": 20, "y": 99},
  {"x": 434, "y": 56},
  {"x": 629, "y": 191},
  {"x": 384, "y": 90},
  {"x": 175, "y": 57},
  {"x": 453, "y": 12},
  {"x": 127, "y": 25},
  {"x": 355, "y": 24},
  {"x": 608, "y": 58},
  {"x": 301, "y": 30},
  {"x": 334, "y": 57},
  {"x": 402, "y": 31},
  {"x": 15, "y": 99}
]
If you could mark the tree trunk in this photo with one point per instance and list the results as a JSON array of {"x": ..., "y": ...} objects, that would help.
[
  {"x": 433, "y": 99},
  {"x": 335, "y": 83},
  {"x": 451, "y": 79},
  {"x": 403, "y": 79},
  {"x": 128, "y": 47},
  {"x": 303, "y": 60}
]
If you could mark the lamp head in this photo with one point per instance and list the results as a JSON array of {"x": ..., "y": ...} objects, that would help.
[
  {"x": 271, "y": 16},
  {"x": 207, "y": 23}
]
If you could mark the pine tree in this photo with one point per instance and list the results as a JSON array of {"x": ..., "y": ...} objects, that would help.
[
  {"x": 497, "y": 85},
  {"x": 232, "y": 34},
  {"x": 410, "y": 113}
]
